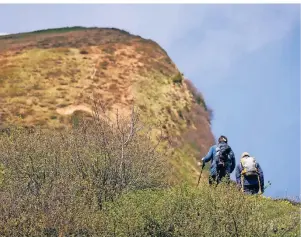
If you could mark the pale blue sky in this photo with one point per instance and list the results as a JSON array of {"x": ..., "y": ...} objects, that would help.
[{"x": 245, "y": 59}]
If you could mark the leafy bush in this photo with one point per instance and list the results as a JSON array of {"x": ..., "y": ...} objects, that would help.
[
  {"x": 187, "y": 211},
  {"x": 177, "y": 79}
]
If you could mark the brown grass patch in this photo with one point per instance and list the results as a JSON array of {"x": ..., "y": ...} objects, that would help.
[{"x": 104, "y": 65}]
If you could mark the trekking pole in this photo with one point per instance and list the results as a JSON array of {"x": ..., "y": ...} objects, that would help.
[
  {"x": 259, "y": 183},
  {"x": 266, "y": 186},
  {"x": 203, "y": 165},
  {"x": 242, "y": 180}
]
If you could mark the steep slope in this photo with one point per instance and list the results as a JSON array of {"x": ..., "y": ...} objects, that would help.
[{"x": 47, "y": 77}]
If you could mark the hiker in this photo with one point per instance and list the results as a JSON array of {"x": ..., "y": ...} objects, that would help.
[
  {"x": 249, "y": 175},
  {"x": 222, "y": 161}
]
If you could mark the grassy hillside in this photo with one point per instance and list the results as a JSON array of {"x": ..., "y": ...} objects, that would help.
[
  {"x": 100, "y": 134},
  {"x": 89, "y": 181},
  {"x": 50, "y": 77}
]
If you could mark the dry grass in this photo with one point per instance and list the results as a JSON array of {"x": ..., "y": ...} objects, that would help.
[{"x": 54, "y": 72}]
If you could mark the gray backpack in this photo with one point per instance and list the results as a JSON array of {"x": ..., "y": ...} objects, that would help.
[
  {"x": 248, "y": 165},
  {"x": 222, "y": 155}
]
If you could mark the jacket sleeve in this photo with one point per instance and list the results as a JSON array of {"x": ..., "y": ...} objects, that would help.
[
  {"x": 261, "y": 177},
  {"x": 238, "y": 174},
  {"x": 209, "y": 156},
  {"x": 233, "y": 162}
]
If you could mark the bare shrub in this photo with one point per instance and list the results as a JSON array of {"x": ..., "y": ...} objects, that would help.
[{"x": 58, "y": 181}]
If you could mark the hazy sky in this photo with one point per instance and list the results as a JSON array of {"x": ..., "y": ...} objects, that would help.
[{"x": 245, "y": 59}]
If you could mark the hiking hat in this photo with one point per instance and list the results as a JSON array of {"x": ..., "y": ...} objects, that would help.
[{"x": 245, "y": 154}]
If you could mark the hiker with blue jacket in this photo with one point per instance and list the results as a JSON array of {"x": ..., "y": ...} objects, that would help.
[
  {"x": 249, "y": 175},
  {"x": 222, "y": 161}
]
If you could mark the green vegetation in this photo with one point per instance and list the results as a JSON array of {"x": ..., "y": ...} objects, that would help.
[
  {"x": 60, "y": 30},
  {"x": 61, "y": 78},
  {"x": 105, "y": 178},
  {"x": 177, "y": 79},
  {"x": 187, "y": 211},
  {"x": 101, "y": 174},
  {"x": 73, "y": 28},
  {"x": 199, "y": 99},
  {"x": 62, "y": 180},
  {"x": 45, "y": 31}
]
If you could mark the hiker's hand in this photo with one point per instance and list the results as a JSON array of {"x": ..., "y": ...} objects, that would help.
[{"x": 199, "y": 163}]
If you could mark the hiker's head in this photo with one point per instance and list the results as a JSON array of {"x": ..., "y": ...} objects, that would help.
[
  {"x": 245, "y": 154},
  {"x": 222, "y": 139}
]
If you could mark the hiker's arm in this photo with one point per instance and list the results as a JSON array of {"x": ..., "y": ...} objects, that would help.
[
  {"x": 209, "y": 155},
  {"x": 261, "y": 177}
]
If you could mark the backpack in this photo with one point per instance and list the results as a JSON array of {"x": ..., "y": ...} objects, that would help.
[
  {"x": 222, "y": 155},
  {"x": 248, "y": 165}
]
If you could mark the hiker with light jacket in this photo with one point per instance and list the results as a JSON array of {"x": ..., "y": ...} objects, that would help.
[
  {"x": 249, "y": 175},
  {"x": 222, "y": 160}
]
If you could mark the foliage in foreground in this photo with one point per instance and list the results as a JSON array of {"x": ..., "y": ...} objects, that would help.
[
  {"x": 187, "y": 211},
  {"x": 60, "y": 179},
  {"x": 106, "y": 178}
]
